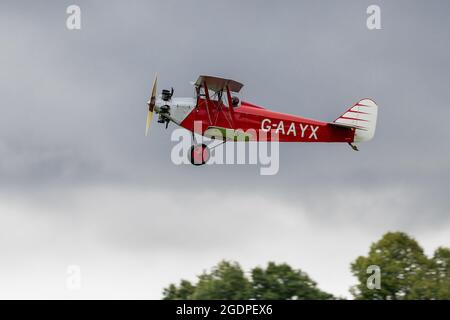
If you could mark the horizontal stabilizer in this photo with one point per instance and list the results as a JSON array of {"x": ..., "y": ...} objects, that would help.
[{"x": 343, "y": 125}]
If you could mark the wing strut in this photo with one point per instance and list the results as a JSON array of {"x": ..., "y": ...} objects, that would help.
[
  {"x": 230, "y": 104},
  {"x": 208, "y": 101}
]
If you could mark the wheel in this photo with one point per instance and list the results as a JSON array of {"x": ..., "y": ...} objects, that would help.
[{"x": 199, "y": 154}]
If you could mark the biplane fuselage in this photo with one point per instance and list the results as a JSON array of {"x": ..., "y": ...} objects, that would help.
[{"x": 261, "y": 124}]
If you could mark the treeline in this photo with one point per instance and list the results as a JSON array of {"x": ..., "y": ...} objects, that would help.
[{"x": 399, "y": 262}]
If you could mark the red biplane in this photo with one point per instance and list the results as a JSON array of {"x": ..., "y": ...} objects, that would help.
[{"x": 222, "y": 116}]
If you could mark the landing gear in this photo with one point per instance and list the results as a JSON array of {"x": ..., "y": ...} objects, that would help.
[{"x": 199, "y": 154}]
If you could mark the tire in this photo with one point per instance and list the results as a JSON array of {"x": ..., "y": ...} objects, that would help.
[{"x": 199, "y": 154}]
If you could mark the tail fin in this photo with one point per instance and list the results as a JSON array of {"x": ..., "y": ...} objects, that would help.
[{"x": 363, "y": 117}]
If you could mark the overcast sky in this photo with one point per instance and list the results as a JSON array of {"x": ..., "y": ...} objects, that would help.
[{"x": 80, "y": 184}]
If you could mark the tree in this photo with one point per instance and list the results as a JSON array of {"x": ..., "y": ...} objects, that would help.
[
  {"x": 183, "y": 292},
  {"x": 435, "y": 284},
  {"x": 406, "y": 272},
  {"x": 281, "y": 282},
  {"x": 441, "y": 266},
  {"x": 228, "y": 281},
  {"x": 225, "y": 281}
]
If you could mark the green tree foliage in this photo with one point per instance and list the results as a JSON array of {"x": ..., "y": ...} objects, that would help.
[
  {"x": 406, "y": 272},
  {"x": 281, "y": 282},
  {"x": 435, "y": 284},
  {"x": 183, "y": 292},
  {"x": 228, "y": 281}
]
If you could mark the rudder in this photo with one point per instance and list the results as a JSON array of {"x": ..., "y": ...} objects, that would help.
[{"x": 363, "y": 117}]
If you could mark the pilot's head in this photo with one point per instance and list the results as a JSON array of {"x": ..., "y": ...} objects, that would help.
[{"x": 235, "y": 101}]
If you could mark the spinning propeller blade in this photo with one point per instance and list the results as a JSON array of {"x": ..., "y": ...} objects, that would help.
[{"x": 151, "y": 104}]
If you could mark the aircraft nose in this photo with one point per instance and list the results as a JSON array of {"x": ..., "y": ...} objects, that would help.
[{"x": 158, "y": 104}]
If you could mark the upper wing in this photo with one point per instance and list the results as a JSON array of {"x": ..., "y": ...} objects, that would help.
[{"x": 217, "y": 84}]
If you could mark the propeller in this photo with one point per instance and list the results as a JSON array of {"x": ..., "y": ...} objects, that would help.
[{"x": 151, "y": 104}]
